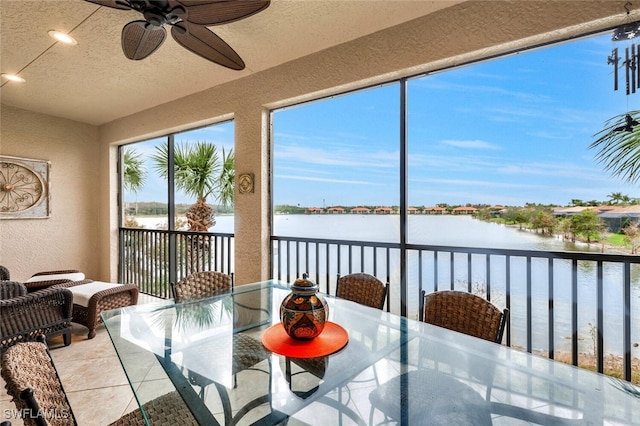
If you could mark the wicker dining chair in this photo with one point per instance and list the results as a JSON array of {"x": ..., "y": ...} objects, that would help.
[
  {"x": 363, "y": 288},
  {"x": 464, "y": 312},
  {"x": 36, "y": 389},
  {"x": 367, "y": 290},
  {"x": 200, "y": 285},
  {"x": 247, "y": 351},
  {"x": 458, "y": 311}
]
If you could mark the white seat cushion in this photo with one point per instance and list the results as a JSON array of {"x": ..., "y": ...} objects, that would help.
[
  {"x": 82, "y": 293},
  {"x": 73, "y": 276}
]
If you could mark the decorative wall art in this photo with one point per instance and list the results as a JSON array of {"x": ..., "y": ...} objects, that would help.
[
  {"x": 24, "y": 188},
  {"x": 245, "y": 183}
]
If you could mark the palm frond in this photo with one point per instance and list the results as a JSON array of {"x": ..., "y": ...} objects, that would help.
[
  {"x": 226, "y": 181},
  {"x": 134, "y": 173},
  {"x": 619, "y": 150},
  {"x": 626, "y": 387},
  {"x": 161, "y": 160}
]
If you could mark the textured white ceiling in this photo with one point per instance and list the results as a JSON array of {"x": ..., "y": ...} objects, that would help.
[{"x": 94, "y": 83}]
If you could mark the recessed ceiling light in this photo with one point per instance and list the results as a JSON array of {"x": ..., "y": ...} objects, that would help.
[
  {"x": 13, "y": 77},
  {"x": 62, "y": 37}
]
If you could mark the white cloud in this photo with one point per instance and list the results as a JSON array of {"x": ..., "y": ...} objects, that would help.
[
  {"x": 321, "y": 179},
  {"x": 345, "y": 157},
  {"x": 470, "y": 144}
]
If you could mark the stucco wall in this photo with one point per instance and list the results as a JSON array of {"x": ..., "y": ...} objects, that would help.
[{"x": 68, "y": 239}]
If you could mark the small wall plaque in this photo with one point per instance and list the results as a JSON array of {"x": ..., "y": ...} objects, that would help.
[{"x": 245, "y": 183}]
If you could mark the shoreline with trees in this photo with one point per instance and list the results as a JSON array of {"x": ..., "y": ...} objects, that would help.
[{"x": 579, "y": 222}]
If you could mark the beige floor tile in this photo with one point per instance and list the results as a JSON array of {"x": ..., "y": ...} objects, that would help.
[{"x": 100, "y": 406}]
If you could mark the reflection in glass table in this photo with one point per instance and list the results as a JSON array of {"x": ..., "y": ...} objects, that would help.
[{"x": 210, "y": 352}]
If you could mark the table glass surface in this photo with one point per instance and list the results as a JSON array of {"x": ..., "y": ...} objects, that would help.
[{"x": 423, "y": 374}]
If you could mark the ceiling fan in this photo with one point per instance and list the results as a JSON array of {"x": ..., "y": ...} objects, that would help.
[{"x": 188, "y": 20}]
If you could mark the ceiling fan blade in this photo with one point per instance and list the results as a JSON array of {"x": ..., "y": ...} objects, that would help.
[
  {"x": 115, "y": 4},
  {"x": 140, "y": 39},
  {"x": 217, "y": 12},
  {"x": 203, "y": 42}
]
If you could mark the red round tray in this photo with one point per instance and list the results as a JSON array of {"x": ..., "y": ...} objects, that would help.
[{"x": 333, "y": 338}]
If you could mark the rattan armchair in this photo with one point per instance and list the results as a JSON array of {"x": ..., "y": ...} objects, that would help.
[
  {"x": 24, "y": 316},
  {"x": 5, "y": 275},
  {"x": 427, "y": 391},
  {"x": 36, "y": 389},
  {"x": 363, "y": 288},
  {"x": 11, "y": 289}
]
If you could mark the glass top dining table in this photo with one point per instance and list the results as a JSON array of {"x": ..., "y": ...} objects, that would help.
[{"x": 392, "y": 369}]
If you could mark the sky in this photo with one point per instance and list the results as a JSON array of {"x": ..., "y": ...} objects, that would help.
[
  {"x": 155, "y": 188},
  {"x": 509, "y": 131},
  {"x": 504, "y": 132}
]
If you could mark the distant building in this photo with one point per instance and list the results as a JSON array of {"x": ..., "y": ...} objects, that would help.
[
  {"x": 360, "y": 210},
  {"x": 336, "y": 210},
  {"x": 617, "y": 218},
  {"x": 464, "y": 210},
  {"x": 383, "y": 210},
  {"x": 314, "y": 210},
  {"x": 435, "y": 210}
]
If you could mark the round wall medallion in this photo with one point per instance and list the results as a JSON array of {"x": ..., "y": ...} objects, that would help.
[{"x": 23, "y": 188}]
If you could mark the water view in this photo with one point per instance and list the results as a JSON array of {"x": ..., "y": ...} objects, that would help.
[{"x": 465, "y": 231}]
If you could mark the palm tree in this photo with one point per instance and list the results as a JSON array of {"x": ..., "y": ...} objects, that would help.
[
  {"x": 134, "y": 174},
  {"x": 200, "y": 172},
  {"x": 616, "y": 197},
  {"x": 618, "y": 146}
]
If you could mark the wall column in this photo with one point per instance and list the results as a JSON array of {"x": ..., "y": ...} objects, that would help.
[{"x": 252, "y": 210}]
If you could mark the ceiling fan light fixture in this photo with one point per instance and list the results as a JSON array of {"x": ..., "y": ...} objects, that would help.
[
  {"x": 13, "y": 77},
  {"x": 62, "y": 37}
]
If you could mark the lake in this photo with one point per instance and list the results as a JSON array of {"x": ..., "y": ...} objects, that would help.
[{"x": 464, "y": 231}]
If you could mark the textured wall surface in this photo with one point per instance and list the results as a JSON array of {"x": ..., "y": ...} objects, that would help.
[{"x": 66, "y": 240}]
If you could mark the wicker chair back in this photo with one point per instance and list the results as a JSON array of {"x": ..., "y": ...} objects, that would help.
[
  {"x": 464, "y": 312},
  {"x": 11, "y": 289},
  {"x": 5, "y": 275},
  {"x": 363, "y": 288},
  {"x": 200, "y": 285},
  {"x": 26, "y": 316},
  {"x": 33, "y": 382}
]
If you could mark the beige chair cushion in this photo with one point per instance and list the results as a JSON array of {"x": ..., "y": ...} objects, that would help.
[{"x": 83, "y": 292}]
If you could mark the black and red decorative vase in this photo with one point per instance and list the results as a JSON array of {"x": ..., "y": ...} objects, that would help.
[{"x": 304, "y": 311}]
